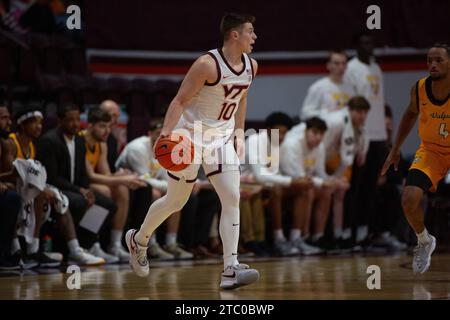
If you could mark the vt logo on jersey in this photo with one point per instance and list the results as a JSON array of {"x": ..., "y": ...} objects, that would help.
[
  {"x": 228, "y": 90},
  {"x": 231, "y": 92}
]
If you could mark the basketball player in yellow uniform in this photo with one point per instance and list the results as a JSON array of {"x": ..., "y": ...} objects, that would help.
[
  {"x": 430, "y": 102},
  {"x": 114, "y": 186},
  {"x": 29, "y": 123}
]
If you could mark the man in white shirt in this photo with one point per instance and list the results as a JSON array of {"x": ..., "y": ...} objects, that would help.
[
  {"x": 262, "y": 164},
  {"x": 304, "y": 157},
  {"x": 344, "y": 139},
  {"x": 330, "y": 93},
  {"x": 138, "y": 156},
  {"x": 365, "y": 75}
]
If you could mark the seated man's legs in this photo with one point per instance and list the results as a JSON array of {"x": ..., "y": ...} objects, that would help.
[
  {"x": 338, "y": 208},
  {"x": 281, "y": 246},
  {"x": 140, "y": 202},
  {"x": 323, "y": 196},
  {"x": 208, "y": 207},
  {"x": 77, "y": 255},
  {"x": 78, "y": 206},
  {"x": 96, "y": 249},
  {"x": 172, "y": 247},
  {"x": 302, "y": 208},
  {"x": 10, "y": 203}
]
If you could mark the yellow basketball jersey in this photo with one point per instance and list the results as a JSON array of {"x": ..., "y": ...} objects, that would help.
[
  {"x": 20, "y": 151},
  {"x": 92, "y": 155},
  {"x": 434, "y": 119}
]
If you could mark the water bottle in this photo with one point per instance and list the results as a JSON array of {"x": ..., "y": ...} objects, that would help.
[{"x": 48, "y": 243}]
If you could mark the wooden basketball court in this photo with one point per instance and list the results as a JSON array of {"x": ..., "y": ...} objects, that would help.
[{"x": 340, "y": 277}]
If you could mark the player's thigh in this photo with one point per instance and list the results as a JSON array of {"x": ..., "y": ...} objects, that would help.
[
  {"x": 120, "y": 193},
  {"x": 189, "y": 174},
  {"x": 220, "y": 160},
  {"x": 102, "y": 189},
  {"x": 427, "y": 164}
]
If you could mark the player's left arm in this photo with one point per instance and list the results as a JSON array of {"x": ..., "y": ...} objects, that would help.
[
  {"x": 239, "y": 118},
  {"x": 242, "y": 110},
  {"x": 103, "y": 166}
]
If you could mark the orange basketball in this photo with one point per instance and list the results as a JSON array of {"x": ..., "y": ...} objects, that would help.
[{"x": 174, "y": 153}]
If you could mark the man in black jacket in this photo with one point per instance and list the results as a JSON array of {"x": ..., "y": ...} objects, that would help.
[{"x": 63, "y": 154}]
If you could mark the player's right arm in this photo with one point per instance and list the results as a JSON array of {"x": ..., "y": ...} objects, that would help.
[
  {"x": 406, "y": 124},
  {"x": 203, "y": 70}
]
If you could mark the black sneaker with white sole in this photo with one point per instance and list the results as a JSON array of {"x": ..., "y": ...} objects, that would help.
[
  {"x": 43, "y": 260},
  {"x": 9, "y": 263}
]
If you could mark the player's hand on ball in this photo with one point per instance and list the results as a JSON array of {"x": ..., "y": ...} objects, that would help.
[
  {"x": 156, "y": 142},
  {"x": 174, "y": 152}
]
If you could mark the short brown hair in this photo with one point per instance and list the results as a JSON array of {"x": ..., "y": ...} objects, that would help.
[
  {"x": 316, "y": 123},
  {"x": 233, "y": 21},
  {"x": 98, "y": 115},
  {"x": 358, "y": 103}
]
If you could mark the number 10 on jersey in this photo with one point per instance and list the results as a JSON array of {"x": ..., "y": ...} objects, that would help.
[{"x": 227, "y": 111}]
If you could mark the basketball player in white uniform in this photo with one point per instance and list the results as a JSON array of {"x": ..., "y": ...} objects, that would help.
[{"x": 213, "y": 97}]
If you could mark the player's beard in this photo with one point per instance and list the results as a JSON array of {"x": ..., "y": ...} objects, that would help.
[{"x": 436, "y": 77}]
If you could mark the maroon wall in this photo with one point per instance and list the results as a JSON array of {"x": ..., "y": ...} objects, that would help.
[{"x": 281, "y": 25}]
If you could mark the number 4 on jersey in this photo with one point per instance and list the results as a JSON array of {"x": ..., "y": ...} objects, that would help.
[{"x": 442, "y": 131}]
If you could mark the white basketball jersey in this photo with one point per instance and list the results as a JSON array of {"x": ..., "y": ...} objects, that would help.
[{"x": 213, "y": 108}]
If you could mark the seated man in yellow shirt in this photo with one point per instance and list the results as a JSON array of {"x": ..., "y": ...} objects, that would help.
[{"x": 114, "y": 186}]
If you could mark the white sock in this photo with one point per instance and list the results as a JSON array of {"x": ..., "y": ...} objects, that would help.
[
  {"x": 33, "y": 247},
  {"x": 346, "y": 234},
  {"x": 424, "y": 237},
  {"x": 73, "y": 246},
  {"x": 171, "y": 238},
  {"x": 116, "y": 238},
  {"x": 361, "y": 233},
  {"x": 96, "y": 245},
  {"x": 278, "y": 235},
  {"x": 15, "y": 245},
  {"x": 338, "y": 233},
  {"x": 152, "y": 240},
  {"x": 226, "y": 185},
  {"x": 295, "y": 234},
  {"x": 317, "y": 236}
]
